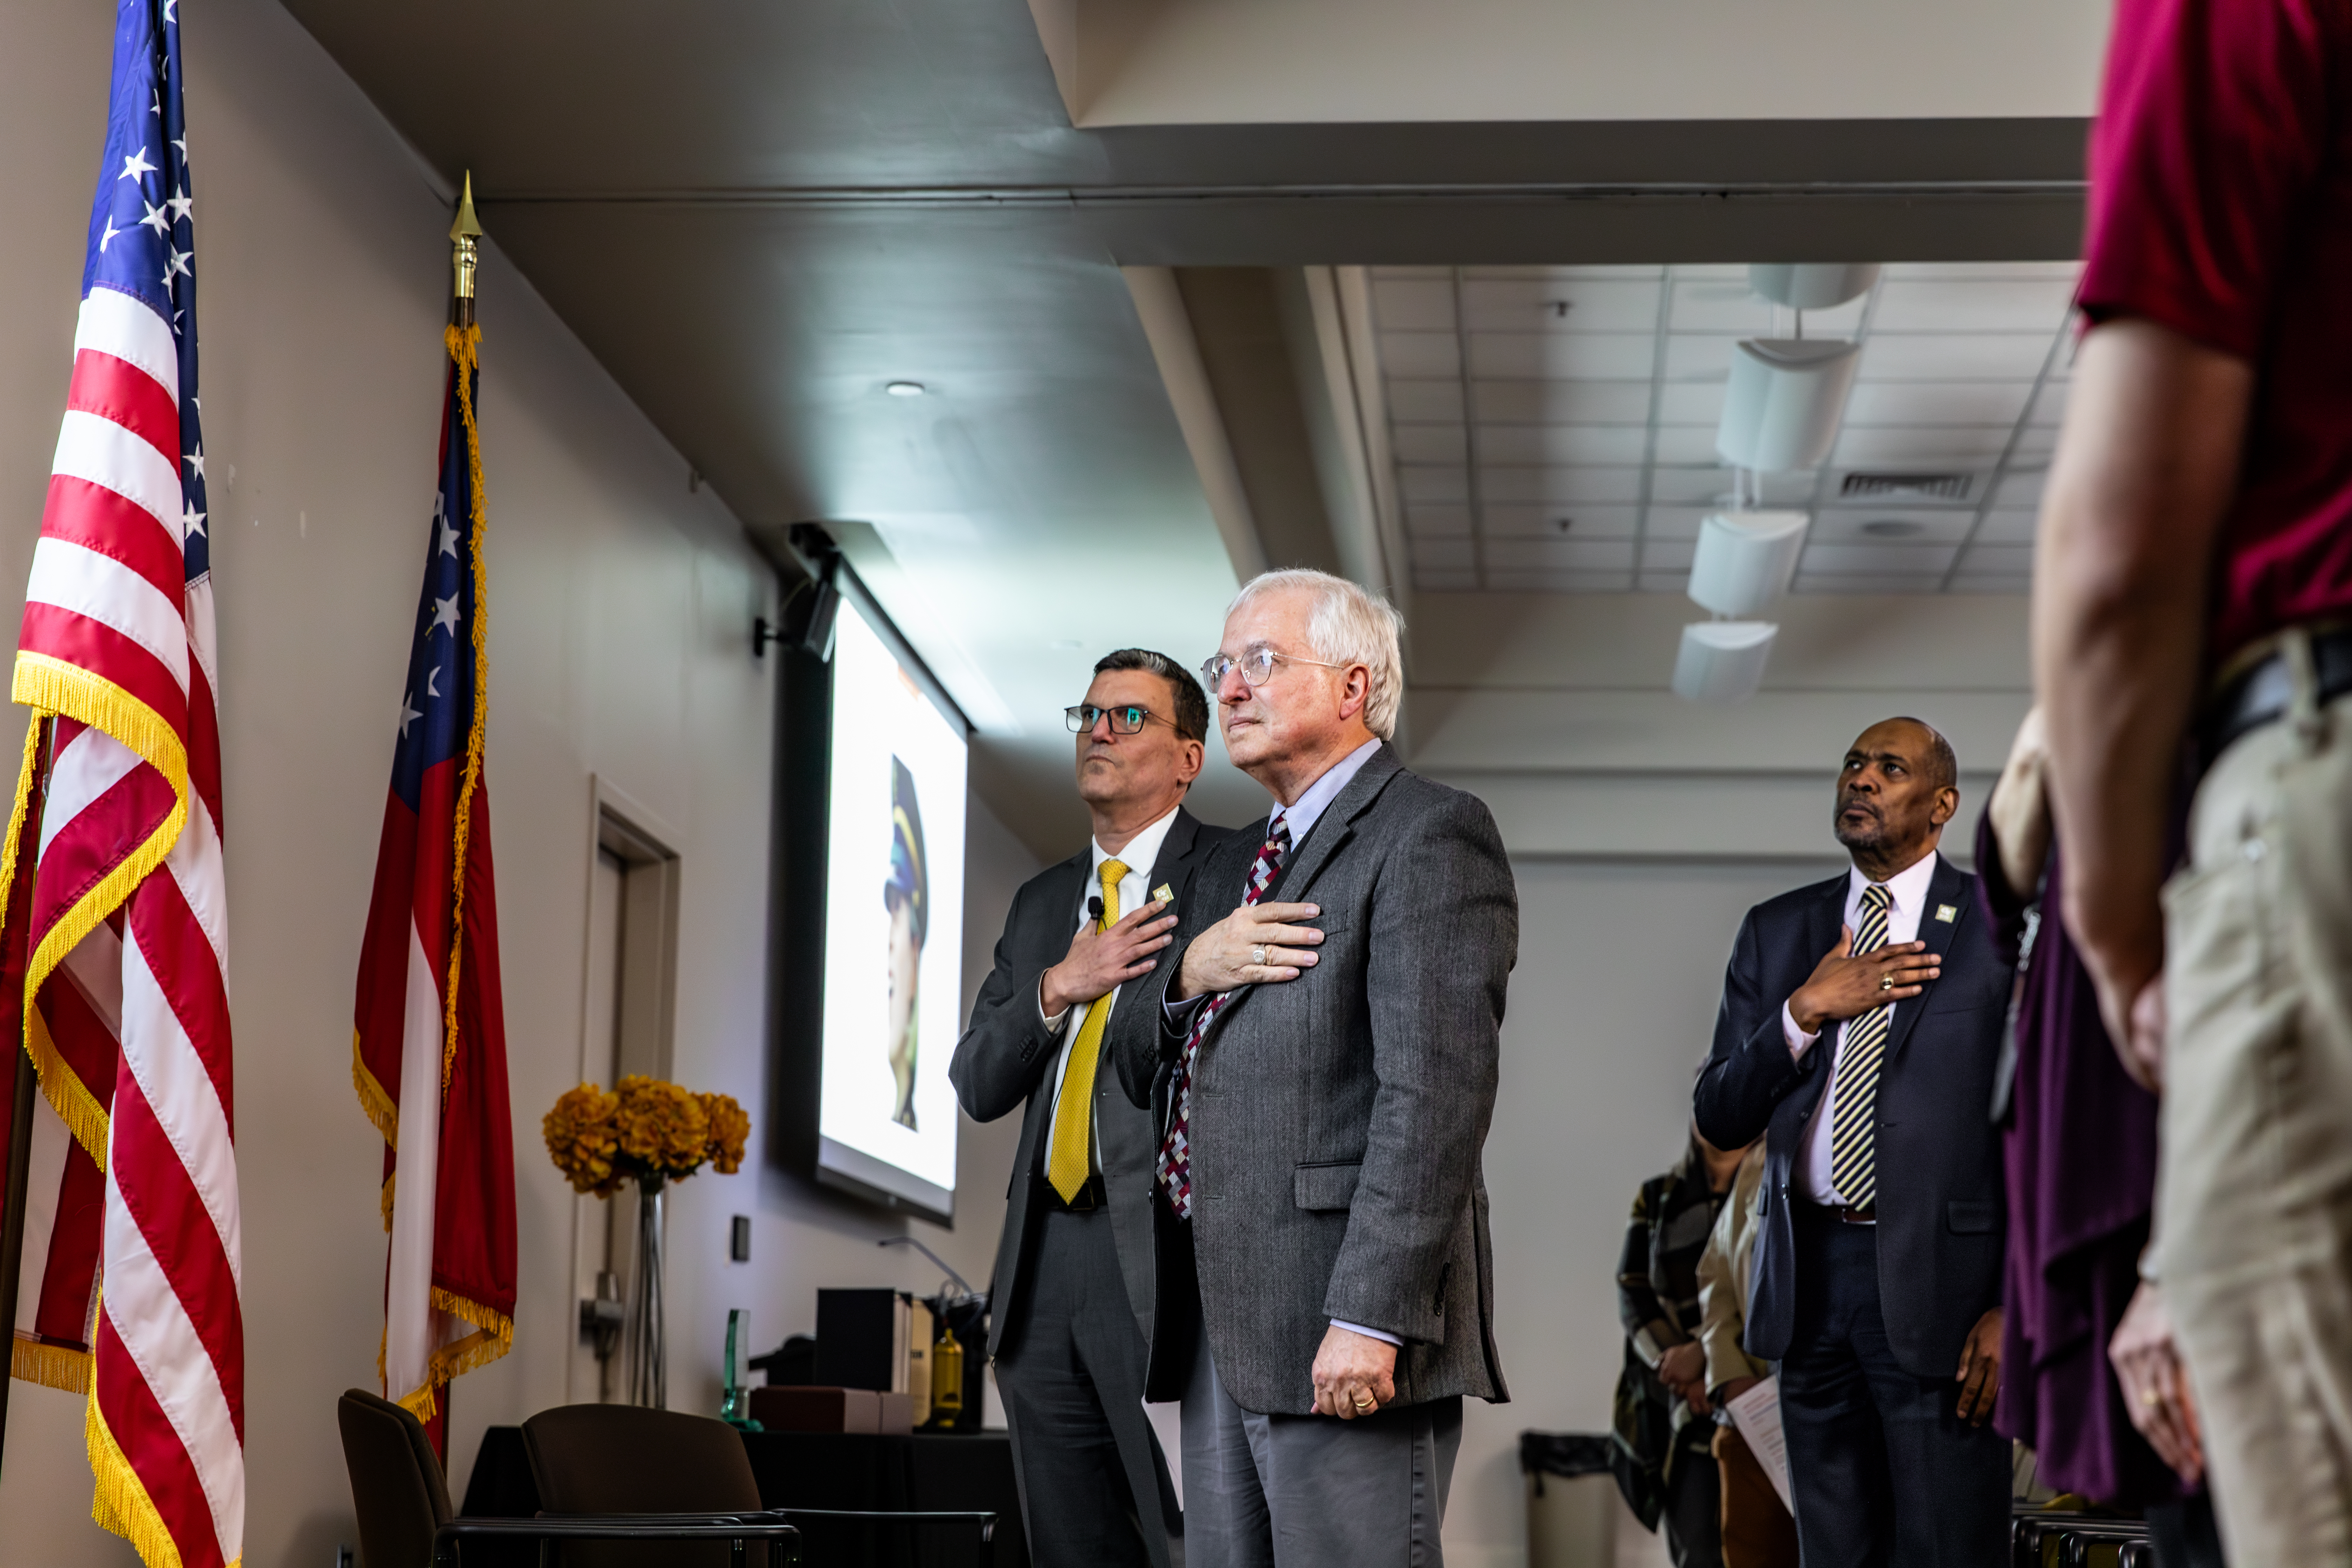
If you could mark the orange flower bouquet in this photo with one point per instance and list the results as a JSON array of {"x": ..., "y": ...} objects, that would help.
[{"x": 648, "y": 1132}]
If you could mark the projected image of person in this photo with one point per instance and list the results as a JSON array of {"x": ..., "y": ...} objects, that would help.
[{"x": 906, "y": 896}]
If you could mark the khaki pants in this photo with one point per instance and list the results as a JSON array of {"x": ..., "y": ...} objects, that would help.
[
  {"x": 1757, "y": 1529},
  {"x": 2254, "y": 1201}
]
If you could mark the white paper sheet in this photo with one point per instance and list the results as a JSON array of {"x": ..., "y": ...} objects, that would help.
[{"x": 1757, "y": 1415}]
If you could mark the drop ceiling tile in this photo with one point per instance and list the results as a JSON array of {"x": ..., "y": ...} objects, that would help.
[
  {"x": 1420, "y": 483},
  {"x": 2070, "y": 349},
  {"x": 1998, "y": 561},
  {"x": 1892, "y": 526},
  {"x": 1560, "y": 305},
  {"x": 1936, "y": 403},
  {"x": 1920, "y": 445},
  {"x": 1691, "y": 403},
  {"x": 1457, "y": 554},
  {"x": 1561, "y": 402},
  {"x": 1687, "y": 444},
  {"x": 1566, "y": 582},
  {"x": 1433, "y": 520},
  {"x": 2019, "y": 490},
  {"x": 1983, "y": 271},
  {"x": 1508, "y": 483},
  {"x": 1425, "y": 400},
  {"x": 1691, "y": 486},
  {"x": 1710, "y": 305},
  {"x": 1667, "y": 555},
  {"x": 1511, "y": 555},
  {"x": 1891, "y": 583},
  {"x": 1822, "y": 560},
  {"x": 1626, "y": 444},
  {"x": 1583, "y": 519},
  {"x": 1675, "y": 522},
  {"x": 1421, "y": 353},
  {"x": 1435, "y": 582},
  {"x": 1979, "y": 305},
  {"x": 2050, "y": 406},
  {"x": 1967, "y": 585},
  {"x": 2005, "y": 527},
  {"x": 1416, "y": 305},
  {"x": 1953, "y": 356},
  {"x": 1677, "y": 582},
  {"x": 1563, "y": 357},
  {"x": 1700, "y": 356},
  {"x": 2036, "y": 441},
  {"x": 1429, "y": 444}
]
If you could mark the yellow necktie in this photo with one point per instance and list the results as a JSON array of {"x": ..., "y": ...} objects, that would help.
[{"x": 1069, "y": 1157}]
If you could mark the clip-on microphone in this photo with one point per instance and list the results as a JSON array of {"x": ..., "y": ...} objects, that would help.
[{"x": 1094, "y": 908}]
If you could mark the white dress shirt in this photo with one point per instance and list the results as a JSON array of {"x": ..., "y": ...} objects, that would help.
[
  {"x": 1139, "y": 855},
  {"x": 1909, "y": 887}
]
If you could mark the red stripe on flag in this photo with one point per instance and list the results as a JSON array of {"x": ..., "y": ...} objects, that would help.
[
  {"x": 99, "y": 838},
  {"x": 81, "y": 1037},
  {"x": 160, "y": 1195},
  {"x": 204, "y": 744},
  {"x": 381, "y": 1005},
  {"x": 146, "y": 1437},
  {"x": 76, "y": 640},
  {"x": 432, "y": 898},
  {"x": 181, "y": 958},
  {"x": 63, "y": 1313},
  {"x": 117, "y": 527},
  {"x": 116, "y": 390}
]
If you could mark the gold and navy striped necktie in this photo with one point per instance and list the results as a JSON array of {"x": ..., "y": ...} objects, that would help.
[{"x": 1853, "y": 1152}]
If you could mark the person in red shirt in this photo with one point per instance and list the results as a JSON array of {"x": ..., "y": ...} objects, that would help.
[{"x": 2193, "y": 594}]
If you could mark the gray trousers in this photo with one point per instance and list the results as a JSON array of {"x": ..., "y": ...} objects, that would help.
[
  {"x": 1312, "y": 1491},
  {"x": 1094, "y": 1485}
]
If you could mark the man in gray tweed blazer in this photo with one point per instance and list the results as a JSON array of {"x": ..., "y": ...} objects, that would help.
[{"x": 1321, "y": 1059}]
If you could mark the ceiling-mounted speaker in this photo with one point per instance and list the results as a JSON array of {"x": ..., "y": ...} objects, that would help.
[
  {"x": 1722, "y": 661},
  {"x": 1813, "y": 285},
  {"x": 1784, "y": 402},
  {"x": 1744, "y": 560}
]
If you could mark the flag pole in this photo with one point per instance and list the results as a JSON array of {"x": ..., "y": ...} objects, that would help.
[
  {"x": 12, "y": 1227},
  {"x": 20, "y": 1146},
  {"x": 464, "y": 256}
]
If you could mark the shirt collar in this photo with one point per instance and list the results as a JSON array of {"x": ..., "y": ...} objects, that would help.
[
  {"x": 1301, "y": 815},
  {"x": 1908, "y": 886},
  {"x": 1141, "y": 853}
]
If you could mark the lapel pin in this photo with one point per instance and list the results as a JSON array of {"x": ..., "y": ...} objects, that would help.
[
  {"x": 1947, "y": 913},
  {"x": 1164, "y": 894}
]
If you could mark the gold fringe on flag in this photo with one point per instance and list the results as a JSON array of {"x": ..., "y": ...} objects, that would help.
[{"x": 60, "y": 1367}]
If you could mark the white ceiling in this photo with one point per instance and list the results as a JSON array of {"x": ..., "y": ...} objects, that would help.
[{"x": 1589, "y": 458}]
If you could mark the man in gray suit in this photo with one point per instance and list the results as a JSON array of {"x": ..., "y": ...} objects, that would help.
[
  {"x": 1322, "y": 1061},
  {"x": 1070, "y": 1312}
]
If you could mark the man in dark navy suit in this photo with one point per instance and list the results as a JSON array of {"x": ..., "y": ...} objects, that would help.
[{"x": 1859, "y": 1032}]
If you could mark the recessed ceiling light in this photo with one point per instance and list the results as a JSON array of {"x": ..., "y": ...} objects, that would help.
[
  {"x": 1890, "y": 528},
  {"x": 905, "y": 388}
]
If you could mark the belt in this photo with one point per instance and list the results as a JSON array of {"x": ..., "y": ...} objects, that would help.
[
  {"x": 2260, "y": 694},
  {"x": 1845, "y": 1213},
  {"x": 1090, "y": 1196}
]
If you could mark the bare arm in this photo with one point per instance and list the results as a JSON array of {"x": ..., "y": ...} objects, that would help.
[
  {"x": 2021, "y": 810},
  {"x": 2146, "y": 465}
]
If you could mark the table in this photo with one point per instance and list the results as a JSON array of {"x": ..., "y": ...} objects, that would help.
[{"x": 926, "y": 1471}]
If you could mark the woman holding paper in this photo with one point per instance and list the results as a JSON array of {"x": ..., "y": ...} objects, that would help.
[{"x": 1758, "y": 1532}]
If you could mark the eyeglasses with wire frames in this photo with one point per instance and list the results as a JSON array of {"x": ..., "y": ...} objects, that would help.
[
  {"x": 1127, "y": 719},
  {"x": 1255, "y": 664}
]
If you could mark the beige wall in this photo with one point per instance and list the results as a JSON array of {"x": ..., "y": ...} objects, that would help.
[{"x": 620, "y": 606}]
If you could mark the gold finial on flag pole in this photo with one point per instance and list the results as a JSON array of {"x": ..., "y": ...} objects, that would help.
[{"x": 465, "y": 253}]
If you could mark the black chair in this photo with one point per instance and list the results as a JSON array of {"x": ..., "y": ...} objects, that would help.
[
  {"x": 403, "y": 1503},
  {"x": 624, "y": 1459}
]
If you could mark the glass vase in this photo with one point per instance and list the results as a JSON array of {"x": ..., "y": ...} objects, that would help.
[{"x": 648, "y": 1364}]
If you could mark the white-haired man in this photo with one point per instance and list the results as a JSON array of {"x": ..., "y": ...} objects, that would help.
[{"x": 1323, "y": 1065}]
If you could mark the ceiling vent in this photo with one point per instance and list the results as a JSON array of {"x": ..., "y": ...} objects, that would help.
[{"x": 1951, "y": 487}]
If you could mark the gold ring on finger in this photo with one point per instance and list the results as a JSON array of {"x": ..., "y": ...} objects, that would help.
[
  {"x": 1363, "y": 1404},
  {"x": 2149, "y": 1397},
  {"x": 1886, "y": 982}
]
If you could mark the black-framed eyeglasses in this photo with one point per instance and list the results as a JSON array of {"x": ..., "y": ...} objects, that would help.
[{"x": 1124, "y": 721}]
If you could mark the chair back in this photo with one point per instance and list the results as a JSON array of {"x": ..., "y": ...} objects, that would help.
[
  {"x": 625, "y": 1459},
  {"x": 397, "y": 1488}
]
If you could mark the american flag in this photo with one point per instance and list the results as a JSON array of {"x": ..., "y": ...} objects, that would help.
[
  {"x": 429, "y": 1055},
  {"x": 113, "y": 859}
]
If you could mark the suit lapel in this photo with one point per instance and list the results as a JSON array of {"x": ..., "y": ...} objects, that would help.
[
  {"x": 1335, "y": 826},
  {"x": 1947, "y": 889}
]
